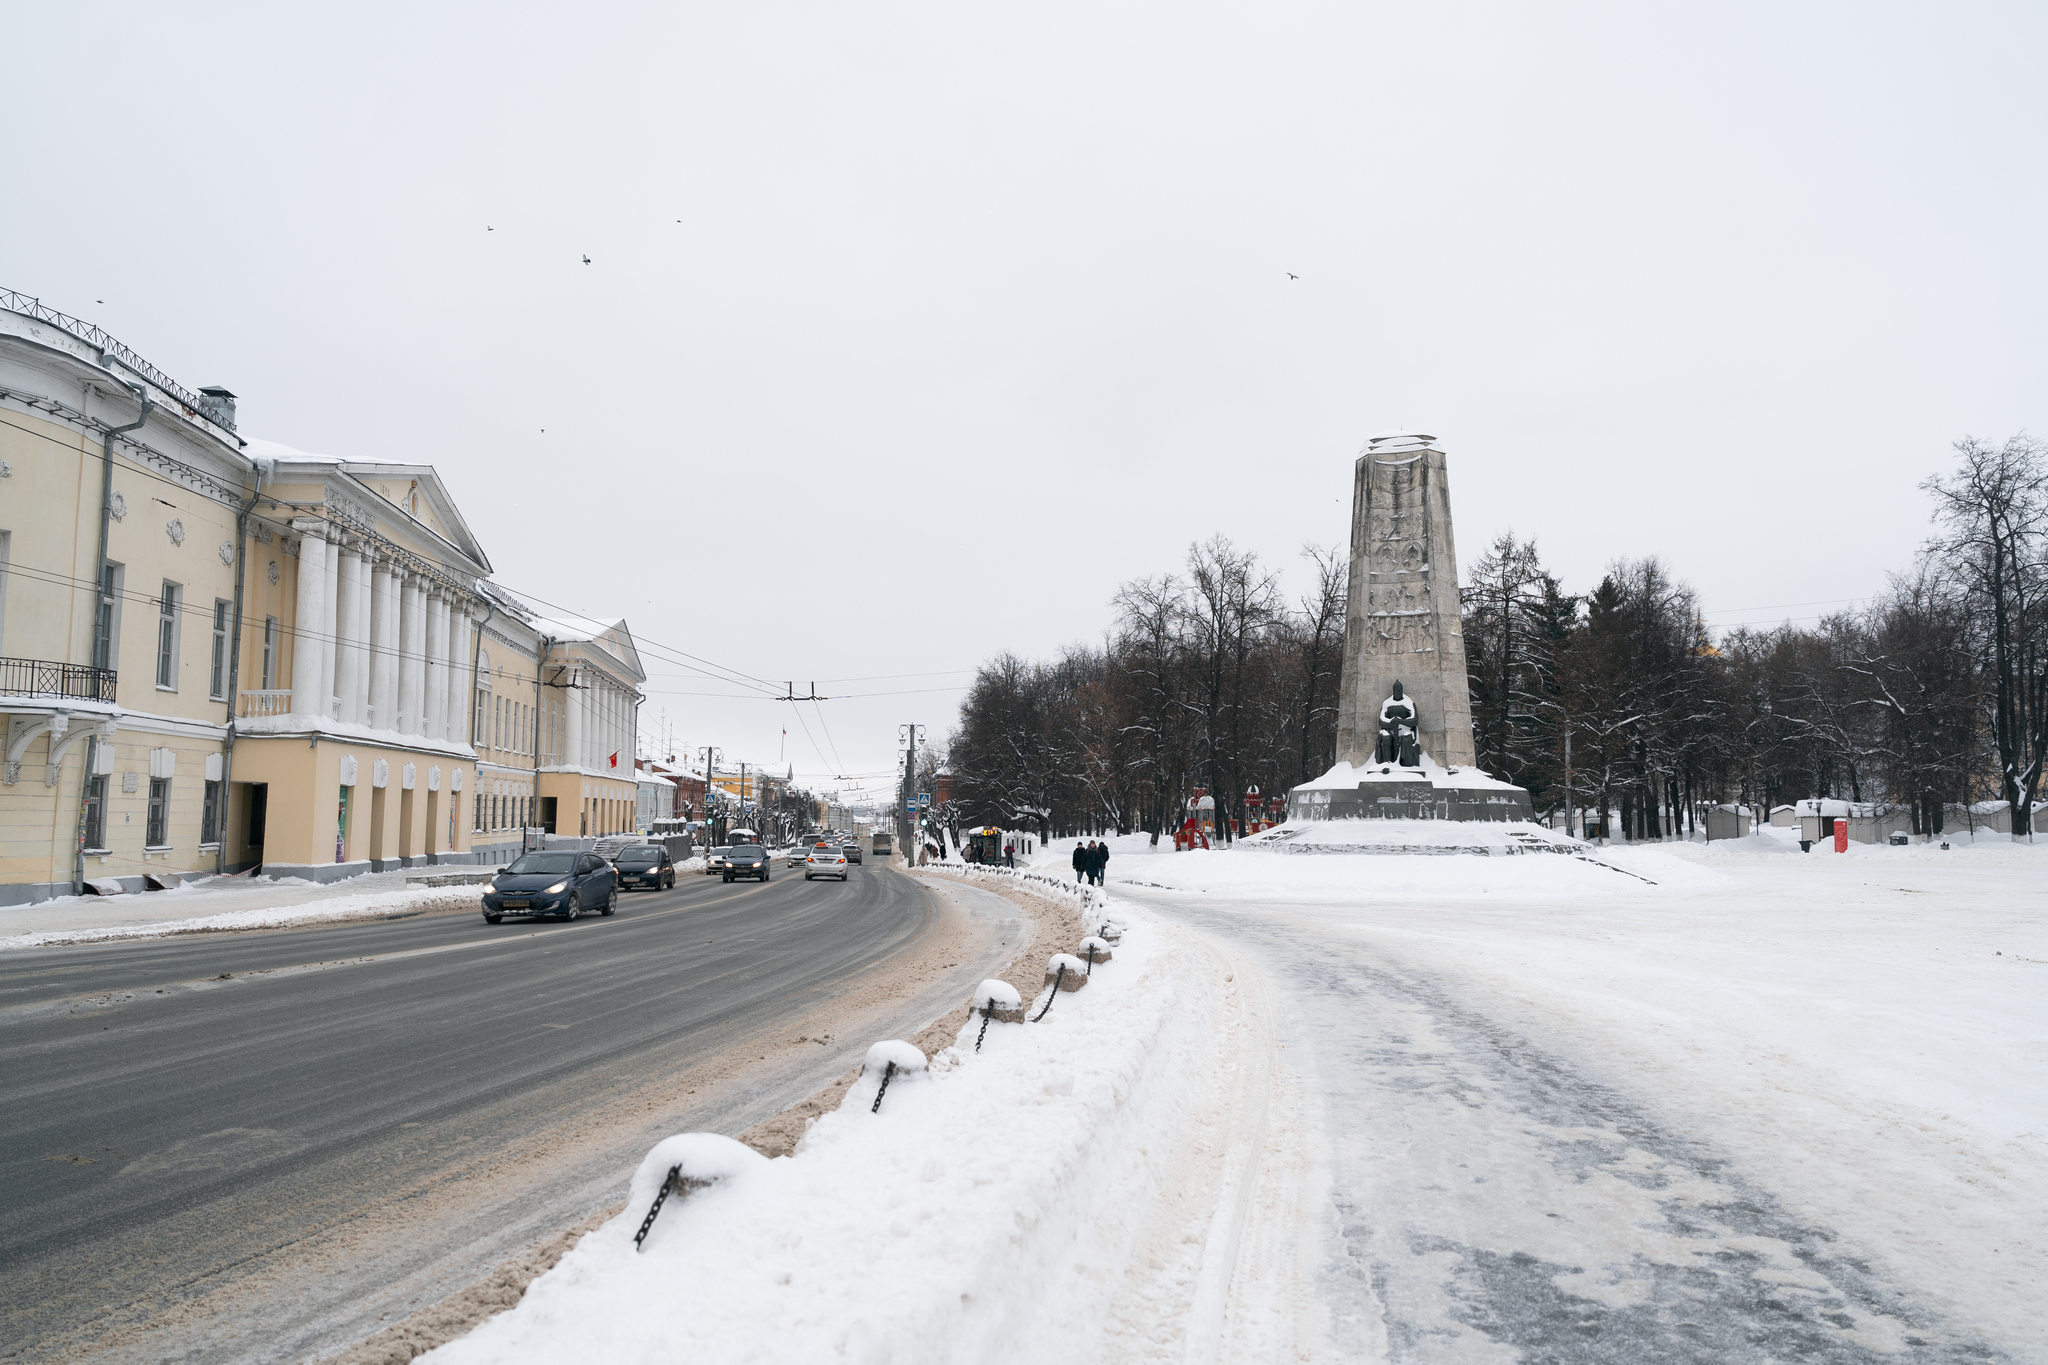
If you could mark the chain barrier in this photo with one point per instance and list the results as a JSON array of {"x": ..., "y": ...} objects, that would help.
[
  {"x": 1091, "y": 961},
  {"x": 986, "y": 1011},
  {"x": 673, "y": 1181},
  {"x": 1059, "y": 976},
  {"x": 883, "y": 1089}
]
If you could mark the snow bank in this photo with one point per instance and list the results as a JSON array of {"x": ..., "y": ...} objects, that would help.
[
  {"x": 1368, "y": 879},
  {"x": 368, "y": 905},
  {"x": 994, "y": 1203}
]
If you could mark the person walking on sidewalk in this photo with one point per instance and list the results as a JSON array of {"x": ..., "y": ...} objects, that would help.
[
  {"x": 1101, "y": 861},
  {"x": 1009, "y": 855},
  {"x": 1080, "y": 862}
]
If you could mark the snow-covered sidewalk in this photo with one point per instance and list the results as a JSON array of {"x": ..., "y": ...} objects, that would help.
[
  {"x": 224, "y": 903},
  {"x": 1779, "y": 1105}
]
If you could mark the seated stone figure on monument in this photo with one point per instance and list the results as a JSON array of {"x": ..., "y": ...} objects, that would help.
[{"x": 1397, "y": 741}]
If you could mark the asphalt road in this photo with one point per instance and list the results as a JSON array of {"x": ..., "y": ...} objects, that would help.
[{"x": 255, "y": 1146}]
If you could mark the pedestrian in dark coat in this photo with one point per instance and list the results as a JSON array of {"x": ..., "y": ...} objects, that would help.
[
  {"x": 1080, "y": 862},
  {"x": 1101, "y": 862},
  {"x": 1009, "y": 855}
]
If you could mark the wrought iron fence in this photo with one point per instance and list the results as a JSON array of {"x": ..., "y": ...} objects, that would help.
[{"x": 48, "y": 678}]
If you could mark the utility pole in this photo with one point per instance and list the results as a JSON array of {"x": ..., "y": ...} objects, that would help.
[{"x": 906, "y": 826}]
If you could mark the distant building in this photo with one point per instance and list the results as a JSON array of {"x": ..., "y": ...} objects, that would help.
[{"x": 235, "y": 654}]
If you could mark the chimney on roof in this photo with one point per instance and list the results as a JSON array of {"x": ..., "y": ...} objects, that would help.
[{"x": 219, "y": 405}]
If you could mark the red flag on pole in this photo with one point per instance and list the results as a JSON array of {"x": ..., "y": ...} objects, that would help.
[{"x": 615, "y": 758}]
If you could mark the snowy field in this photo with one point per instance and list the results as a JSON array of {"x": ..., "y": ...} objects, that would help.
[{"x": 1761, "y": 1106}]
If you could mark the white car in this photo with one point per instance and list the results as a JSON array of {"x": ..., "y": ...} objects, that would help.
[
  {"x": 716, "y": 861},
  {"x": 825, "y": 862}
]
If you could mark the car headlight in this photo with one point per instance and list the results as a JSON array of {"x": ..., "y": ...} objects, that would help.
[{"x": 557, "y": 889}]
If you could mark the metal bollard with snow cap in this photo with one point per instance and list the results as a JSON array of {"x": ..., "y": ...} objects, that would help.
[
  {"x": 681, "y": 1164},
  {"x": 995, "y": 999},
  {"x": 893, "y": 1058},
  {"x": 1095, "y": 950}
]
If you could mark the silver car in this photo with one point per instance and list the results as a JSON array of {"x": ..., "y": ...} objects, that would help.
[
  {"x": 716, "y": 861},
  {"x": 826, "y": 862}
]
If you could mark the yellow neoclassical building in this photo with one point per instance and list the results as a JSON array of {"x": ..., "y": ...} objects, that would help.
[{"x": 219, "y": 655}]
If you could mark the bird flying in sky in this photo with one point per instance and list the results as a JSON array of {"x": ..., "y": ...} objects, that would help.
[
  {"x": 1292, "y": 276},
  {"x": 586, "y": 260}
]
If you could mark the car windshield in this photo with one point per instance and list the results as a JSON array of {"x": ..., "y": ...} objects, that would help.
[
  {"x": 542, "y": 865},
  {"x": 640, "y": 854}
]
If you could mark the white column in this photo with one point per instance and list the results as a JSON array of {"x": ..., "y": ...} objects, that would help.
[
  {"x": 307, "y": 646},
  {"x": 435, "y": 695},
  {"x": 330, "y": 626},
  {"x": 412, "y": 647},
  {"x": 383, "y": 645},
  {"x": 347, "y": 644},
  {"x": 361, "y": 637},
  {"x": 572, "y": 708},
  {"x": 461, "y": 686}
]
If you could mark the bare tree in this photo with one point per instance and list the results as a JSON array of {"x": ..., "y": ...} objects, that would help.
[{"x": 1993, "y": 513}]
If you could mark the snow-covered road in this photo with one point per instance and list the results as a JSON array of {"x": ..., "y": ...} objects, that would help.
[{"x": 1752, "y": 1114}]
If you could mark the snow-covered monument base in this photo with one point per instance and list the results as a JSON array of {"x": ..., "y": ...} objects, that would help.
[{"x": 1392, "y": 792}]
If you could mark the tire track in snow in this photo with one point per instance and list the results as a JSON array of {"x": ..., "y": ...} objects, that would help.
[{"x": 1493, "y": 1201}]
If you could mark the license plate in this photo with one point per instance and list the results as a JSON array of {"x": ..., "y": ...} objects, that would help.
[{"x": 514, "y": 905}]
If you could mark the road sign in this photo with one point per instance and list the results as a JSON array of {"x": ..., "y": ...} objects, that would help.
[{"x": 924, "y": 799}]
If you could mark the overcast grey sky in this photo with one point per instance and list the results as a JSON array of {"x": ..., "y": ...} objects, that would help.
[{"x": 994, "y": 301}]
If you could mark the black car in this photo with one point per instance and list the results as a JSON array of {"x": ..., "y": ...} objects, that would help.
[
  {"x": 562, "y": 882},
  {"x": 747, "y": 860},
  {"x": 645, "y": 865},
  {"x": 852, "y": 850}
]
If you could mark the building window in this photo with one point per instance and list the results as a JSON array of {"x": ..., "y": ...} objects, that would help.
[
  {"x": 220, "y": 650},
  {"x": 269, "y": 652},
  {"x": 209, "y": 815},
  {"x": 107, "y": 623},
  {"x": 167, "y": 637},
  {"x": 96, "y": 811},
  {"x": 157, "y": 832}
]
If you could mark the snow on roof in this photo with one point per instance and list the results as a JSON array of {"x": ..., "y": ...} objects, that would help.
[
  {"x": 258, "y": 448},
  {"x": 651, "y": 779}
]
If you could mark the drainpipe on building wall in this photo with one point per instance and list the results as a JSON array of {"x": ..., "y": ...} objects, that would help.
[
  {"x": 227, "y": 753},
  {"x": 99, "y": 578},
  {"x": 547, "y": 644},
  {"x": 475, "y": 661}
]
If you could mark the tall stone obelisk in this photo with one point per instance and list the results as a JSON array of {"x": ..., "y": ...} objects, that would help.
[{"x": 1405, "y": 623}]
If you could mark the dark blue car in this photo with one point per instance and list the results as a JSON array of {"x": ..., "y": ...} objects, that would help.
[{"x": 561, "y": 882}]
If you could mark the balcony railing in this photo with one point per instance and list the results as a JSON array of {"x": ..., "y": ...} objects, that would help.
[
  {"x": 272, "y": 701},
  {"x": 48, "y": 678}
]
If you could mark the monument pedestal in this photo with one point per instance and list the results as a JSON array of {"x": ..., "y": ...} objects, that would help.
[{"x": 1384, "y": 791}]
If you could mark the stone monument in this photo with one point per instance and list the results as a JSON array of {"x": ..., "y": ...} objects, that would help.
[{"x": 1404, "y": 706}]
